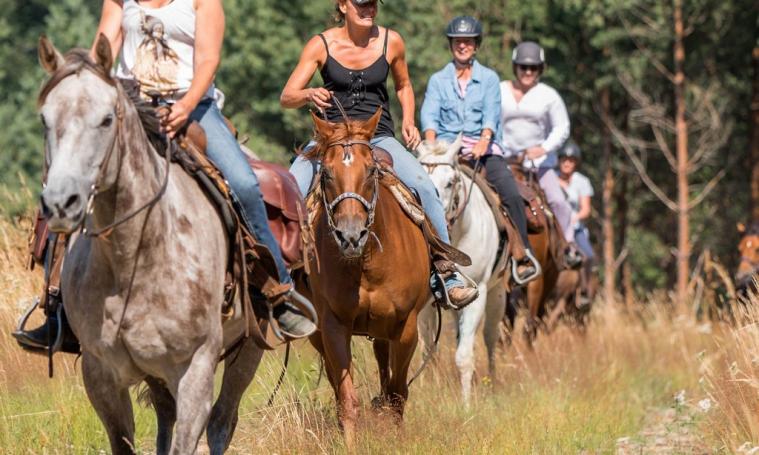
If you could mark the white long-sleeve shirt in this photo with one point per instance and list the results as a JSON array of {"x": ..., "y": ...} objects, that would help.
[{"x": 539, "y": 119}]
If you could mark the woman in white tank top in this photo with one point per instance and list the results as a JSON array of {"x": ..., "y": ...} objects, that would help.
[{"x": 174, "y": 47}]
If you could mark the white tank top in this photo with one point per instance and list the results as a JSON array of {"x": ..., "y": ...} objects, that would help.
[{"x": 158, "y": 47}]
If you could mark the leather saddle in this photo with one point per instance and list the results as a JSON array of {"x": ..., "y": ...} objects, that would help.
[
  {"x": 284, "y": 205},
  {"x": 533, "y": 205}
]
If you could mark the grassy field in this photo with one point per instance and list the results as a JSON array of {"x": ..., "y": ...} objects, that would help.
[{"x": 602, "y": 392}]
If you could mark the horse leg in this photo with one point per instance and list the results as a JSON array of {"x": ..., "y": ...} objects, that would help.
[
  {"x": 336, "y": 339},
  {"x": 401, "y": 352},
  {"x": 111, "y": 402},
  {"x": 382, "y": 354},
  {"x": 193, "y": 390},
  {"x": 166, "y": 413},
  {"x": 469, "y": 320},
  {"x": 494, "y": 309},
  {"x": 427, "y": 329},
  {"x": 239, "y": 369},
  {"x": 509, "y": 319},
  {"x": 534, "y": 302},
  {"x": 318, "y": 344}
]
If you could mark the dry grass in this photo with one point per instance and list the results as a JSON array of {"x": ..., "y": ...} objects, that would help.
[{"x": 573, "y": 393}]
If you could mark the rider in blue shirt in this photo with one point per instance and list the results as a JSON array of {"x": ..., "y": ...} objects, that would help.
[{"x": 464, "y": 97}]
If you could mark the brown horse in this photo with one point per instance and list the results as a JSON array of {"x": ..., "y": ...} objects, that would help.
[
  {"x": 545, "y": 246},
  {"x": 371, "y": 268},
  {"x": 748, "y": 268}
]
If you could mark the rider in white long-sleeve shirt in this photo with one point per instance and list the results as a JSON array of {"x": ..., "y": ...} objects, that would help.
[{"x": 535, "y": 122}]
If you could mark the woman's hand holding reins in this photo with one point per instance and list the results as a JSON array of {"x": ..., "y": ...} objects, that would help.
[
  {"x": 176, "y": 118},
  {"x": 320, "y": 97},
  {"x": 411, "y": 135}
]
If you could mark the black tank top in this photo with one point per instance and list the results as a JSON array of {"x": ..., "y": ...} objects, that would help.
[{"x": 361, "y": 92}]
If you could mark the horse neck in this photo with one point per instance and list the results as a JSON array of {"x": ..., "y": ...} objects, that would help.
[
  {"x": 140, "y": 176},
  {"x": 466, "y": 220}
]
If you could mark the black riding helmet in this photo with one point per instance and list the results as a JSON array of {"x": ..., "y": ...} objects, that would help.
[
  {"x": 570, "y": 150},
  {"x": 464, "y": 27},
  {"x": 528, "y": 53}
]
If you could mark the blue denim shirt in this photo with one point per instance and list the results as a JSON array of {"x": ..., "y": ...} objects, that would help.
[{"x": 448, "y": 114}]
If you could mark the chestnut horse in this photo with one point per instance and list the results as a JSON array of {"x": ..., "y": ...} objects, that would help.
[
  {"x": 370, "y": 274},
  {"x": 544, "y": 246},
  {"x": 748, "y": 268}
]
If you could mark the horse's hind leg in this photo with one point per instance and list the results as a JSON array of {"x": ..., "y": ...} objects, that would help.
[
  {"x": 494, "y": 309},
  {"x": 166, "y": 413},
  {"x": 112, "y": 404},
  {"x": 382, "y": 354},
  {"x": 193, "y": 390},
  {"x": 239, "y": 369},
  {"x": 534, "y": 303}
]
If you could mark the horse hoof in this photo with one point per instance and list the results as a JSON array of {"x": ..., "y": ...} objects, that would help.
[{"x": 378, "y": 403}]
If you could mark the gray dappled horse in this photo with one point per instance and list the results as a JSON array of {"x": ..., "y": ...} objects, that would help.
[{"x": 159, "y": 320}]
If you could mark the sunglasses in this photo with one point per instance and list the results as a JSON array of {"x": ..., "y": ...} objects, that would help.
[
  {"x": 364, "y": 3},
  {"x": 533, "y": 68}
]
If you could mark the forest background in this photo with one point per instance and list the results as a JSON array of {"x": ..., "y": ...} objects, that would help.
[{"x": 633, "y": 73}]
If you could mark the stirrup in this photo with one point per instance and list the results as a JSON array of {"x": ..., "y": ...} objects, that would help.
[
  {"x": 24, "y": 319},
  {"x": 535, "y": 263},
  {"x": 300, "y": 303},
  {"x": 21, "y": 328},
  {"x": 439, "y": 293}
]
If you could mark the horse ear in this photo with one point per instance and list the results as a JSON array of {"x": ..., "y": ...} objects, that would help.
[
  {"x": 741, "y": 227},
  {"x": 323, "y": 128},
  {"x": 50, "y": 58},
  {"x": 455, "y": 148},
  {"x": 371, "y": 125},
  {"x": 103, "y": 55}
]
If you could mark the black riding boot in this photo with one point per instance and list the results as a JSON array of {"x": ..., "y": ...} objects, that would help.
[{"x": 499, "y": 175}]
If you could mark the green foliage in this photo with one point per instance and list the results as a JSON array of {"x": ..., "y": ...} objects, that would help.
[{"x": 589, "y": 46}]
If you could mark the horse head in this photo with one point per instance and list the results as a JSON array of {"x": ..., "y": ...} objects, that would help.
[
  {"x": 349, "y": 180},
  {"x": 79, "y": 109},
  {"x": 440, "y": 159},
  {"x": 749, "y": 250}
]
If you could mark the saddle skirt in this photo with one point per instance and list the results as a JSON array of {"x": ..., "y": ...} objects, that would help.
[{"x": 284, "y": 205}]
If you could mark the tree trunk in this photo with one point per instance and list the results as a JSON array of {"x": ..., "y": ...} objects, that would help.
[
  {"x": 681, "y": 127},
  {"x": 608, "y": 212},
  {"x": 621, "y": 205},
  {"x": 754, "y": 153}
]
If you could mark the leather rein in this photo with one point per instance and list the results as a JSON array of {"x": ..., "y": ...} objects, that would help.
[{"x": 455, "y": 208}]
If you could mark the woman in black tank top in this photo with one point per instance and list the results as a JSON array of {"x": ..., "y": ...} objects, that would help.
[{"x": 355, "y": 61}]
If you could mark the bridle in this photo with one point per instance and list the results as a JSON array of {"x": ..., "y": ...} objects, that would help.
[
  {"x": 455, "y": 206},
  {"x": 370, "y": 207}
]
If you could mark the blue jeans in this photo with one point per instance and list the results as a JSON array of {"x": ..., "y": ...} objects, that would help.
[
  {"x": 407, "y": 168},
  {"x": 226, "y": 154},
  {"x": 582, "y": 239}
]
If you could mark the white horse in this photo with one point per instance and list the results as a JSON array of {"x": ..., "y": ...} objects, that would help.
[{"x": 474, "y": 231}]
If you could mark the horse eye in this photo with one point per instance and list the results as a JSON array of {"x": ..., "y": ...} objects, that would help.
[
  {"x": 449, "y": 184},
  {"x": 107, "y": 121}
]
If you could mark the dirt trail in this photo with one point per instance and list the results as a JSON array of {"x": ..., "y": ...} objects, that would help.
[{"x": 666, "y": 430}]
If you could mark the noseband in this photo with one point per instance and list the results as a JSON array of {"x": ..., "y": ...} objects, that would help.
[{"x": 370, "y": 207}]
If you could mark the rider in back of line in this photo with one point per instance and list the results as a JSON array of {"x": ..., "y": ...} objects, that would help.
[
  {"x": 535, "y": 123},
  {"x": 464, "y": 97}
]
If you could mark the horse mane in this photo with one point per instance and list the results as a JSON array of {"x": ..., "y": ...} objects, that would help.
[
  {"x": 437, "y": 148},
  {"x": 77, "y": 60},
  {"x": 342, "y": 131}
]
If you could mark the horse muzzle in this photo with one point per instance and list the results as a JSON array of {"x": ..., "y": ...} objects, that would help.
[
  {"x": 64, "y": 210},
  {"x": 351, "y": 236}
]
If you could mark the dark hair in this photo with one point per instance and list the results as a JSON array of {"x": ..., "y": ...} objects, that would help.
[{"x": 339, "y": 16}]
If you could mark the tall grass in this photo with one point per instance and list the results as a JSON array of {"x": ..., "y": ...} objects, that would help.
[{"x": 572, "y": 393}]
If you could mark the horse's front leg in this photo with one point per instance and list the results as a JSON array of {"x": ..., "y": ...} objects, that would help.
[
  {"x": 401, "y": 352},
  {"x": 193, "y": 389},
  {"x": 382, "y": 354},
  {"x": 336, "y": 341},
  {"x": 111, "y": 402},
  {"x": 534, "y": 303},
  {"x": 166, "y": 413},
  {"x": 239, "y": 369},
  {"x": 469, "y": 320},
  {"x": 494, "y": 310}
]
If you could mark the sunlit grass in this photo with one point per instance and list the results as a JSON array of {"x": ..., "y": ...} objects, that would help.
[{"x": 574, "y": 393}]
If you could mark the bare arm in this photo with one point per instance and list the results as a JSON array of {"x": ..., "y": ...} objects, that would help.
[
  {"x": 584, "y": 212},
  {"x": 296, "y": 92},
  {"x": 110, "y": 26},
  {"x": 209, "y": 36},
  {"x": 403, "y": 88}
]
